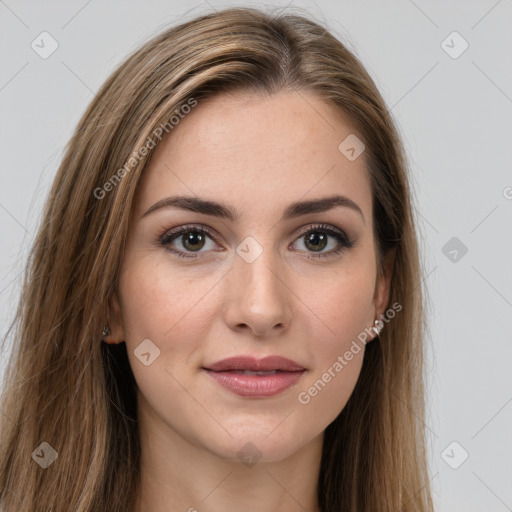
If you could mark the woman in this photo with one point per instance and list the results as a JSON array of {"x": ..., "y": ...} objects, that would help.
[{"x": 222, "y": 309}]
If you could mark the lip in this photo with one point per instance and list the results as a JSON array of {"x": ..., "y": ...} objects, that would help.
[
  {"x": 268, "y": 363},
  {"x": 229, "y": 373}
]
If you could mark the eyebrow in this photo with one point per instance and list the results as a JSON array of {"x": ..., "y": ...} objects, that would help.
[{"x": 294, "y": 210}]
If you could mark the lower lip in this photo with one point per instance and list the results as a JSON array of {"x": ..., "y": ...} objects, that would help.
[{"x": 256, "y": 386}]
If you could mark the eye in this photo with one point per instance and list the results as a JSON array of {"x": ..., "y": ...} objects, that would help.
[
  {"x": 316, "y": 238},
  {"x": 191, "y": 238}
]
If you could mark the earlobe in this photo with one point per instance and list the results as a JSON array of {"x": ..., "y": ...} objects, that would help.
[
  {"x": 115, "y": 323},
  {"x": 105, "y": 336},
  {"x": 383, "y": 285}
]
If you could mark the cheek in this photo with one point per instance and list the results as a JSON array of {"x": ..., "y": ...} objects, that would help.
[
  {"x": 172, "y": 310},
  {"x": 325, "y": 394},
  {"x": 169, "y": 308},
  {"x": 337, "y": 361},
  {"x": 161, "y": 303},
  {"x": 344, "y": 306}
]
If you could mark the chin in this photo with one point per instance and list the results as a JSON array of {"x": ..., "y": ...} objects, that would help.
[{"x": 257, "y": 442}]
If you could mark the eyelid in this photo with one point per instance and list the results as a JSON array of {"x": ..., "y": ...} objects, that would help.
[
  {"x": 190, "y": 227},
  {"x": 212, "y": 233},
  {"x": 312, "y": 227}
]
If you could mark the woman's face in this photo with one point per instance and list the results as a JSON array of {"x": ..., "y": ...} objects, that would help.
[{"x": 268, "y": 277}]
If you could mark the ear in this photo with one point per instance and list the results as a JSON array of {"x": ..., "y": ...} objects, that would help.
[
  {"x": 115, "y": 321},
  {"x": 383, "y": 284}
]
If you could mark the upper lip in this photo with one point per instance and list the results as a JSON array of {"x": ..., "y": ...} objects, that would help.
[{"x": 250, "y": 363}]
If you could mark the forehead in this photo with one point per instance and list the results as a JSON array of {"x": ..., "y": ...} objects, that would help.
[{"x": 248, "y": 149}]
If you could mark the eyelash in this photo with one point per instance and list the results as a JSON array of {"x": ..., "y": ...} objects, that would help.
[{"x": 169, "y": 236}]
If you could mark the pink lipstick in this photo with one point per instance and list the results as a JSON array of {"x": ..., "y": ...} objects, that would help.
[{"x": 256, "y": 378}]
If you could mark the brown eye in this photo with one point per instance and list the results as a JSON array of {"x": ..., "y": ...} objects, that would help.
[
  {"x": 193, "y": 240},
  {"x": 316, "y": 239},
  {"x": 186, "y": 240}
]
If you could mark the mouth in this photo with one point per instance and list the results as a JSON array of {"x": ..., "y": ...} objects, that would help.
[
  {"x": 252, "y": 372},
  {"x": 248, "y": 363},
  {"x": 256, "y": 378}
]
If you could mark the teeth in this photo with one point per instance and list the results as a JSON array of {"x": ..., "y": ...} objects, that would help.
[{"x": 250, "y": 372}]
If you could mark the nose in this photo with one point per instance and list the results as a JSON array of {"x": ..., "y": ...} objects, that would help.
[{"x": 257, "y": 297}]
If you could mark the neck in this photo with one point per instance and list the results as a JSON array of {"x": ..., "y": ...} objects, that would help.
[{"x": 178, "y": 475}]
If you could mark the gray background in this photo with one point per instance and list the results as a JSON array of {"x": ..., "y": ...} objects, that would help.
[{"x": 454, "y": 115}]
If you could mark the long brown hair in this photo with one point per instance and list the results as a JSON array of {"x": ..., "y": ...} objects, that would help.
[{"x": 67, "y": 388}]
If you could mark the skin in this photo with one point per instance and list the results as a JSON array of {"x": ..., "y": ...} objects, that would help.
[{"x": 257, "y": 155}]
